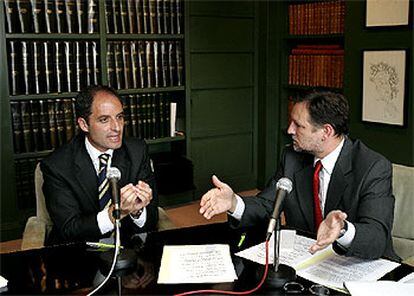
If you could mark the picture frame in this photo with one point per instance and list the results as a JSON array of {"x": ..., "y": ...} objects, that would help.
[
  {"x": 384, "y": 86},
  {"x": 385, "y": 13}
]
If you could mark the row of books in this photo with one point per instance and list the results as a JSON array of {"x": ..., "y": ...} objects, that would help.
[
  {"x": 140, "y": 64},
  {"x": 324, "y": 17},
  {"x": 51, "y": 16},
  {"x": 313, "y": 66},
  {"x": 40, "y": 125},
  {"x": 25, "y": 186},
  {"x": 37, "y": 67},
  {"x": 144, "y": 16}
]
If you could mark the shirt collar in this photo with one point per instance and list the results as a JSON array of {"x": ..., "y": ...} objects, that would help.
[{"x": 329, "y": 161}]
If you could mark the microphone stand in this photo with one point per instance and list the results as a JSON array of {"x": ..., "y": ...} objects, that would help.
[{"x": 280, "y": 273}]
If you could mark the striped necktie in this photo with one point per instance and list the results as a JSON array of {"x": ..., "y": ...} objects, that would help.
[{"x": 103, "y": 189}]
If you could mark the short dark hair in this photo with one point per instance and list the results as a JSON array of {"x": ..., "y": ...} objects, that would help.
[
  {"x": 326, "y": 107},
  {"x": 84, "y": 100}
]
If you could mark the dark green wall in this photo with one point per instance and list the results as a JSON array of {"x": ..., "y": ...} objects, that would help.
[
  {"x": 222, "y": 91},
  {"x": 396, "y": 143}
]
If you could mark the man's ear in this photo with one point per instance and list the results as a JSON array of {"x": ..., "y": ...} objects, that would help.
[
  {"x": 83, "y": 125},
  {"x": 328, "y": 130}
]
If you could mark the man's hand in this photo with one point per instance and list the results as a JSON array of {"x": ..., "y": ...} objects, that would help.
[
  {"x": 217, "y": 200},
  {"x": 329, "y": 230},
  {"x": 134, "y": 198}
]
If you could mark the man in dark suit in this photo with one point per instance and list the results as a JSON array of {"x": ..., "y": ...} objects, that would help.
[
  {"x": 76, "y": 190},
  {"x": 347, "y": 200}
]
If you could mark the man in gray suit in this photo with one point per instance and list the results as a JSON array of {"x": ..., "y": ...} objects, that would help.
[
  {"x": 341, "y": 189},
  {"x": 75, "y": 186}
]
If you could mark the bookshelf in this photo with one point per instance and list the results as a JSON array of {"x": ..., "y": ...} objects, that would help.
[
  {"x": 312, "y": 52},
  {"x": 54, "y": 49}
]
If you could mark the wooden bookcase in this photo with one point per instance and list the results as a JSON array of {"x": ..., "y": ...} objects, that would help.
[
  {"x": 312, "y": 52},
  {"x": 110, "y": 25}
]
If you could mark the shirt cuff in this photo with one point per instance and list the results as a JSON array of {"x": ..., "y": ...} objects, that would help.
[
  {"x": 348, "y": 237},
  {"x": 140, "y": 221},
  {"x": 240, "y": 206},
  {"x": 104, "y": 222}
]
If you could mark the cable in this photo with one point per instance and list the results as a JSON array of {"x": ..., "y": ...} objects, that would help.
[
  {"x": 116, "y": 253},
  {"x": 232, "y": 292}
]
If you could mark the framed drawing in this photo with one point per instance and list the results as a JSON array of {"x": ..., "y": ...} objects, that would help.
[
  {"x": 384, "y": 86},
  {"x": 387, "y": 13}
]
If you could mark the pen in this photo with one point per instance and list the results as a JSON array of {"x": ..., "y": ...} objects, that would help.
[
  {"x": 242, "y": 238},
  {"x": 101, "y": 245}
]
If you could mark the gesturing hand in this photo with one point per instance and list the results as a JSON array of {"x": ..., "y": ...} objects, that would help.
[
  {"x": 217, "y": 200},
  {"x": 329, "y": 230}
]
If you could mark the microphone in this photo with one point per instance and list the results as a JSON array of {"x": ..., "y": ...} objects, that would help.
[
  {"x": 283, "y": 187},
  {"x": 113, "y": 175}
]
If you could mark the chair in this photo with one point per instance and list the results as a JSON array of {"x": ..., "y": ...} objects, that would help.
[
  {"x": 403, "y": 230},
  {"x": 38, "y": 227}
]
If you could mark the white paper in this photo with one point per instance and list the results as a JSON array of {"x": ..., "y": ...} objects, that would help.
[
  {"x": 3, "y": 282},
  {"x": 334, "y": 270},
  {"x": 408, "y": 279},
  {"x": 173, "y": 118},
  {"x": 196, "y": 264},
  {"x": 380, "y": 288}
]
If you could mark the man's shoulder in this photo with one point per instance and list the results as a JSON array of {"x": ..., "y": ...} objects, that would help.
[
  {"x": 363, "y": 156},
  {"x": 133, "y": 142},
  {"x": 64, "y": 155}
]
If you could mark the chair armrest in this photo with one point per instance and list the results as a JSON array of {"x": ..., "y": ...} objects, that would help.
[{"x": 34, "y": 234}]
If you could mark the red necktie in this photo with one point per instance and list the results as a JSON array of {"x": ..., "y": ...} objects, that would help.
[{"x": 317, "y": 207}]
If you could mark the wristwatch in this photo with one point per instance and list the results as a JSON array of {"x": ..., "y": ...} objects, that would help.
[{"x": 343, "y": 230}]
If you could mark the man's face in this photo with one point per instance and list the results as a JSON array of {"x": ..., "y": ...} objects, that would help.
[
  {"x": 306, "y": 137},
  {"x": 106, "y": 123}
]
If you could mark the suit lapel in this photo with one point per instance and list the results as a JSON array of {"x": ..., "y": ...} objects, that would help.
[
  {"x": 303, "y": 183},
  {"x": 339, "y": 180},
  {"x": 86, "y": 175},
  {"x": 120, "y": 161}
]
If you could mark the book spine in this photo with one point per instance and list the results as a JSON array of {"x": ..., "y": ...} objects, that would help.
[
  {"x": 78, "y": 66},
  {"x": 118, "y": 66},
  {"x": 95, "y": 63},
  {"x": 166, "y": 16},
  {"x": 23, "y": 9},
  {"x": 68, "y": 66},
  {"x": 161, "y": 117},
  {"x": 58, "y": 64},
  {"x": 110, "y": 62},
  {"x": 134, "y": 65},
  {"x": 179, "y": 60},
  {"x": 171, "y": 63},
  {"x": 133, "y": 111},
  {"x": 179, "y": 16},
  {"x": 164, "y": 65},
  {"x": 26, "y": 126},
  {"x": 126, "y": 65},
  {"x": 139, "y": 16},
  {"x": 16, "y": 126},
  {"x": 44, "y": 124},
  {"x": 14, "y": 70},
  {"x": 154, "y": 125},
  {"x": 25, "y": 64},
  {"x": 68, "y": 119},
  {"x": 49, "y": 16},
  {"x": 115, "y": 17},
  {"x": 36, "y": 7},
  {"x": 123, "y": 16},
  {"x": 92, "y": 16},
  {"x": 173, "y": 15},
  {"x": 47, "y": 67},
  {"x": 150, "y": 63},
  {"x": 127, "y": 116},
  {"x": 88, "y": 65},
  {"x": 141, "y": 64},
  {"x": 70, "y": 14},
  {"x": 153, "y": 16},
  {"x": 60, "y": 122},
  {"x": 60, "y": 16},
  {"x": 36, "y": 51},
  {"x": 10, "y": 12},
  {"x": 167, "y": 118},
  {"x": 159, "y": 15},
  {"x": 156, "y": 64},
  {"x": 80, "y": 14},
  {"x": 131, "y": 16},
  {"x": 35, "y": 121},
  {"x": 109, "y": 21},
  {"x": 145, "y": 16}
]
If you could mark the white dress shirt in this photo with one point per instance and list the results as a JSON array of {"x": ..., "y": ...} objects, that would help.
[
  {"x": 104, "y": 222},
  {"x": 328, "y": 164}
]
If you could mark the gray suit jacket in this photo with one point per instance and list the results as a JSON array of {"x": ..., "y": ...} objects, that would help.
[
  {"x": 361, "y": 186},
  {"x": 71, "y": 188}
]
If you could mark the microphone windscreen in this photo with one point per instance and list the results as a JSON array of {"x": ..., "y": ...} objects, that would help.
[
  {"x": 285, "y": 184},
  {"x": 113, "y": 173}
]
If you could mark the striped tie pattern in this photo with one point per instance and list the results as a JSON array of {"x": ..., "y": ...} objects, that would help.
[{"x": 103, "y": 189}]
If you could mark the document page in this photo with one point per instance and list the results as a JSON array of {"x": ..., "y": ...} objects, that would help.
[
  {"x": 196, "y": 264},
  {"x": 380, "y": 288}
]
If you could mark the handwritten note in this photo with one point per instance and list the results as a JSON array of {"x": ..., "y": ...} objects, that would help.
[{"x": 196, "y": 264}]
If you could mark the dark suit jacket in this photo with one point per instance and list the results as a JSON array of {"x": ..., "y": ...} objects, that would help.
[
  {"x": 71, "y": 189},
  {"x": 360, "y": 185}
]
